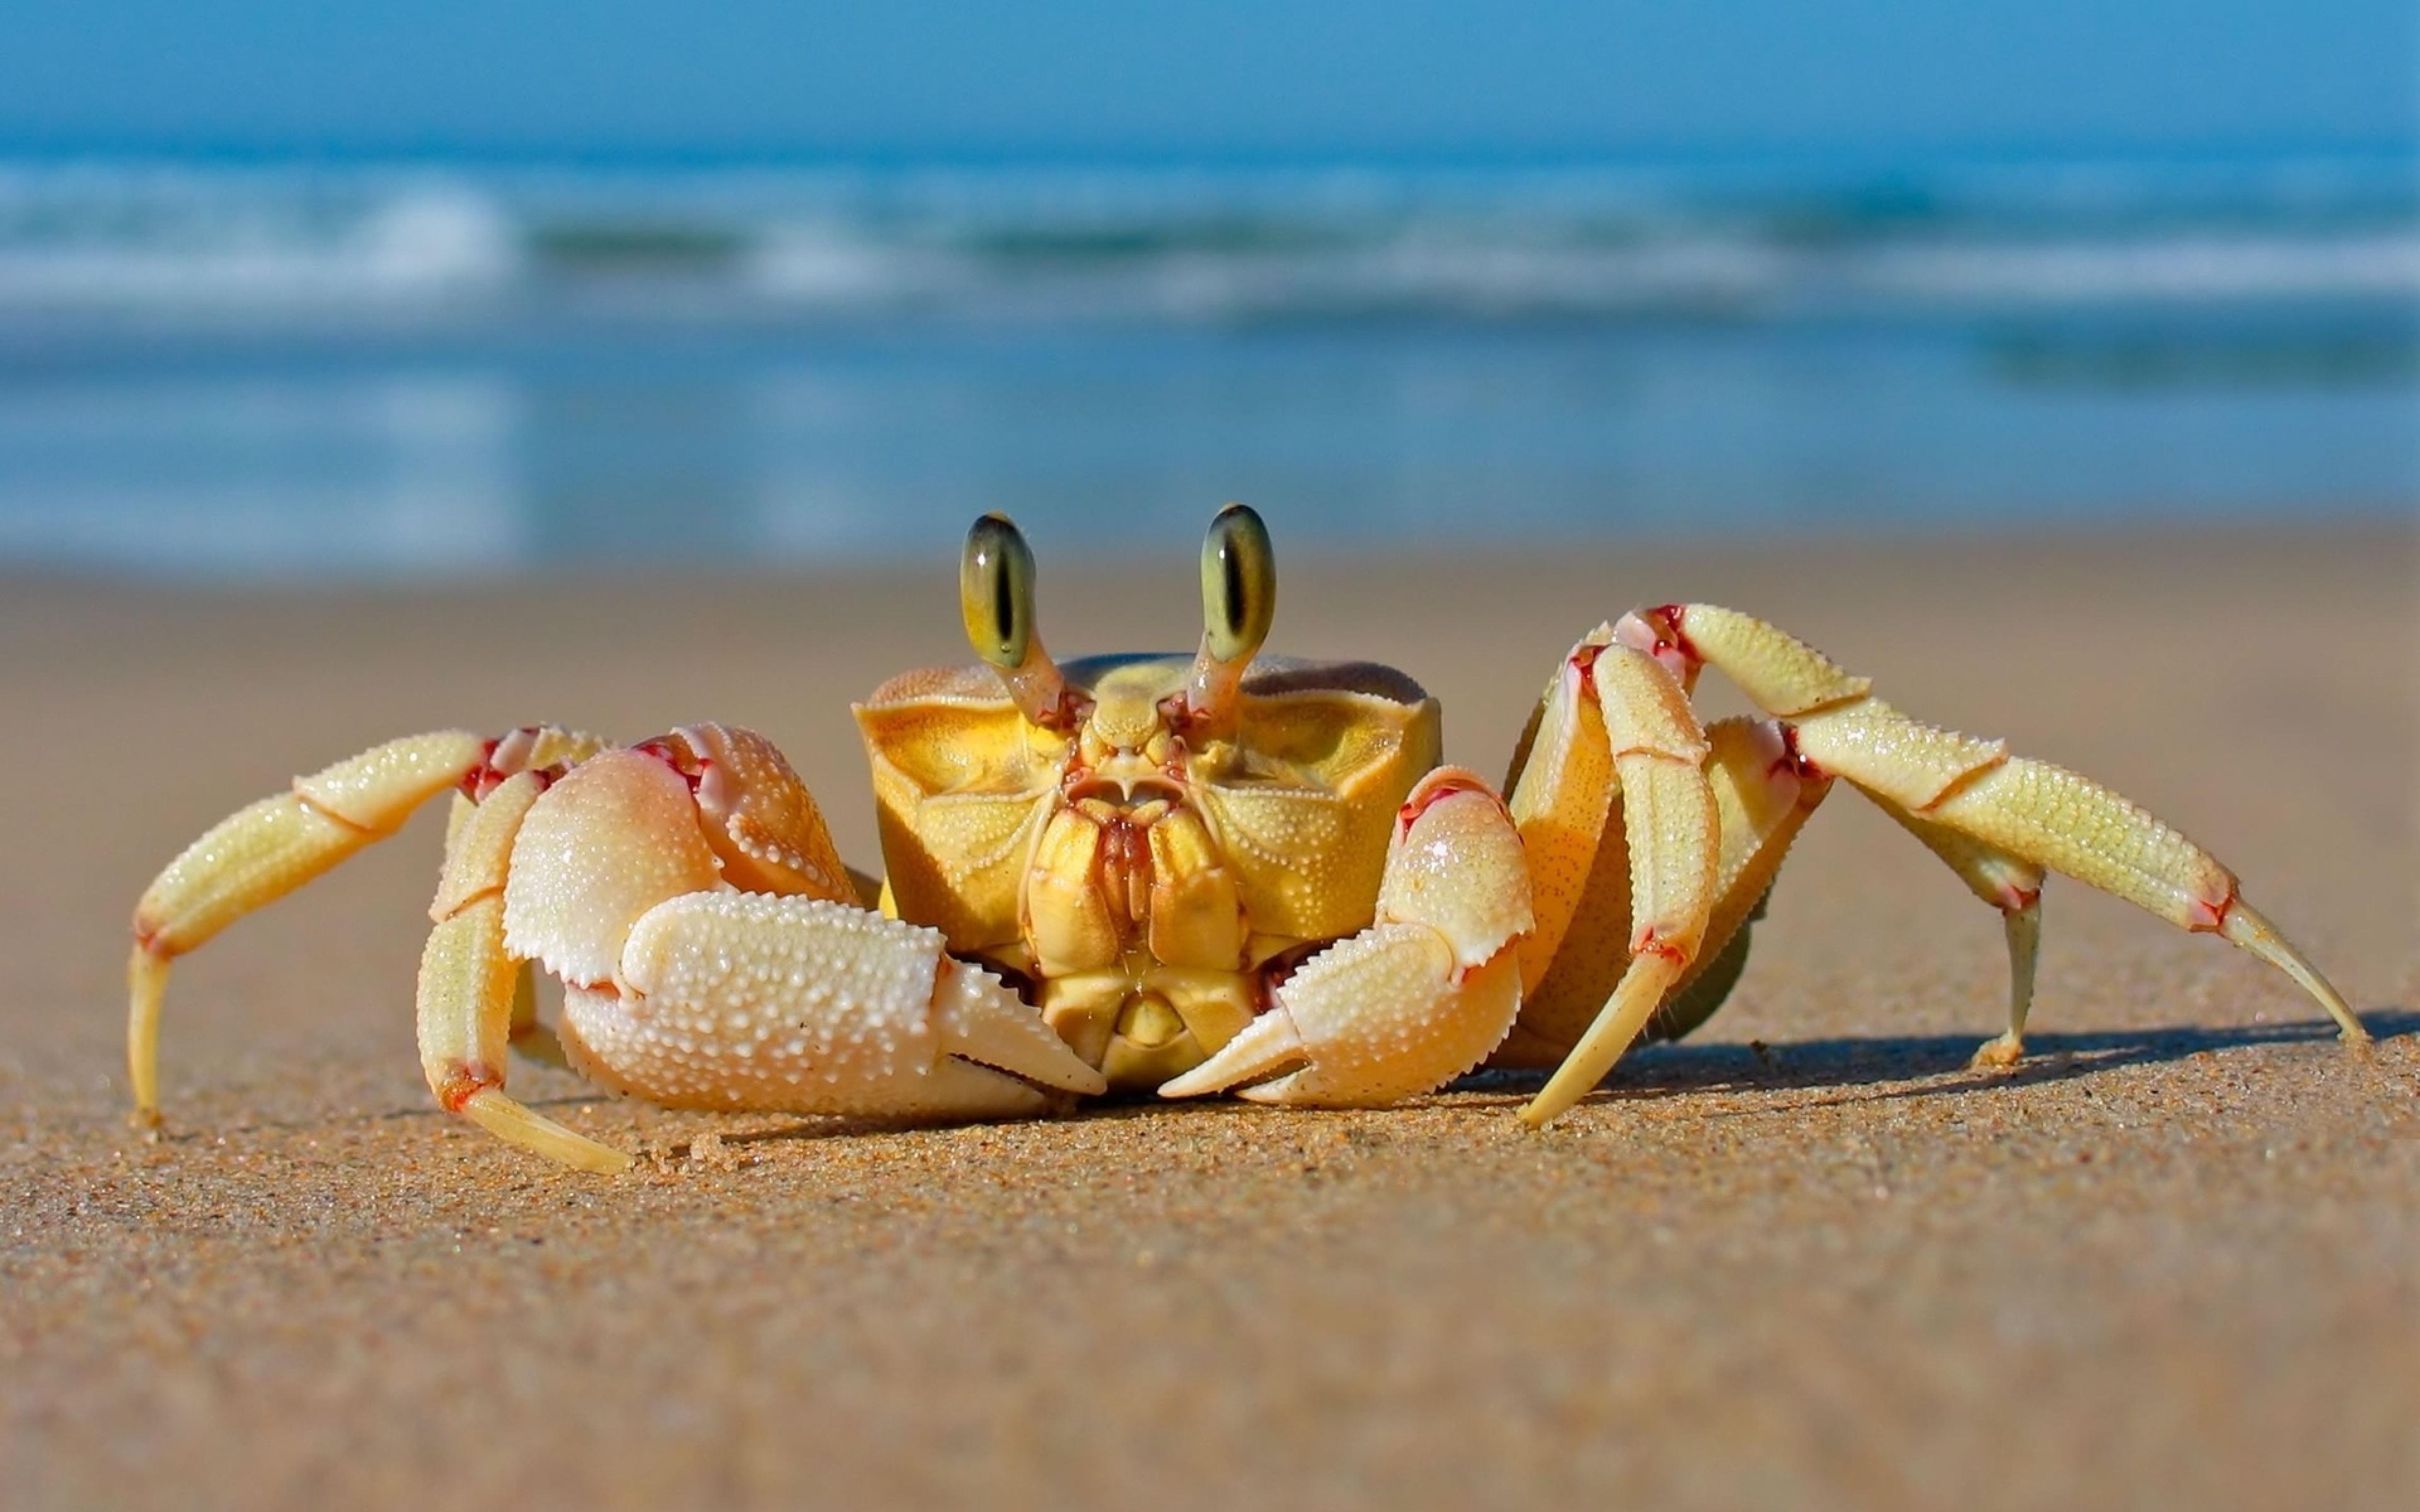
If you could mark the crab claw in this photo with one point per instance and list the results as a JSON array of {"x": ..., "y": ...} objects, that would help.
[
  {"x": 691, "y": 995},
  {"x": 598, "y": 849},
  {"x": 743, "y": 1001},
  {"x": 1417, "y": 998},
  {"x": 760, "y": 821}
]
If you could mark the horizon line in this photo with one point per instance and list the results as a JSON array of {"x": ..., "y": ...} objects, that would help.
[{"x": 1871, "y": 155}]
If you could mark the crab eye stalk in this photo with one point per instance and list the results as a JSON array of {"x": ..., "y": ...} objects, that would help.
[
  {"x": 1240, "y": 584},
  {"x": 1239, "y": 598},
  {"x": 995, "y": 601},
  {"x": 996, "y": 592}
]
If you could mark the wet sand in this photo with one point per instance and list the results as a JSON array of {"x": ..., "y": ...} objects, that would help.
[{"x": 1805, "y": 1260}]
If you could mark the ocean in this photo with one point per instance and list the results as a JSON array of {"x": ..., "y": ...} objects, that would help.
[{"x": 248, "y": 370}]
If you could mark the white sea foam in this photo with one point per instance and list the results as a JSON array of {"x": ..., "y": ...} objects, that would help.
[
  {"x": 140, "y": 244},
  {"x": 2204, "y": 267},
  {"x": 257, "y": 371},
  {"x": 1204, "y": 244}
]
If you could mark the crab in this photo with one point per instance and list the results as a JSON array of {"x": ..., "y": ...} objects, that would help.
[{"x": 1158, "y": 874}]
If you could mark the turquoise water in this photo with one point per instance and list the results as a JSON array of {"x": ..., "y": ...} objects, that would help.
[{"x": 246, "y": 370}]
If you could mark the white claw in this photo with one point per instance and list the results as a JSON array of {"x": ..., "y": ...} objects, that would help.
[
  {"x": 610, "y": 841},
  {"x": 980, "y": 1020},
  {"x": 686, "y": 993},
  {"x": 1270, "y": 1043},
  {"x": 1372, "y": 1020},
  {"x": 743, "y": 1001},
  {"x": 1417, "y": 998}
]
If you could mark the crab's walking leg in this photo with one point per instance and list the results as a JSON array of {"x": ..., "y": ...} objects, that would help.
[
  {"x": 2037, "y": 812},
  {"x": 262, "y": 853},
  {"x": 1670, "y": 819},
  {"x": 1418, "y": 998},
  {"x": 1562, "y": 794},
  {"x": 473, "y": 990},
  {"x": 2008, "y": 883},
  {"x": 1763, "y": 799}
]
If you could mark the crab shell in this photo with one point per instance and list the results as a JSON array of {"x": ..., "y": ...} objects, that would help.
[{"x": 1149, "y": 880}]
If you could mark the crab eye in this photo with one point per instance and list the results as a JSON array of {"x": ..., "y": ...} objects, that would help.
[
  {"x": 996, "y": 592},
  {"x": 1239, "y": 585}
]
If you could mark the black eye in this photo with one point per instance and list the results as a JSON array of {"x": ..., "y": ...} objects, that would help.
[
  {"x": 996, "y": 592},
  {"x": 1240, "y": 584}
]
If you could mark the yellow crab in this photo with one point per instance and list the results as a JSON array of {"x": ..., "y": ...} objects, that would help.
[{"x": 1171, "y": 874}]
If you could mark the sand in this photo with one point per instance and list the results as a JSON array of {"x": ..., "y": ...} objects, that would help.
[{"x": 1806, "y": 1260}]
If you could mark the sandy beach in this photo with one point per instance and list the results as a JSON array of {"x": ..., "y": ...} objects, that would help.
[{"x": 1805, "y": 1260}]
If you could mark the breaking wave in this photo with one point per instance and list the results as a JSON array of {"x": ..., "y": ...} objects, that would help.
[{"x": 1733, "y": 241}]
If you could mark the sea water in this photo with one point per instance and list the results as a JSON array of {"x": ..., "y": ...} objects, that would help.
[{"x": 248, "y": 369}]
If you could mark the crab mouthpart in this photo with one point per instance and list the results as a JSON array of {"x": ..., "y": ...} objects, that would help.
[{"x": 1125, "y": 789}]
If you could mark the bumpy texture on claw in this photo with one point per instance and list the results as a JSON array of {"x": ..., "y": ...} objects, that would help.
[
  {"x": 794, "y": 1005},
  {"x": 690, "y": 995},
  {"x": 759, "y": 819},
  {"x": 613, "y": 839},
  {"x": 1417, "y": 998}
]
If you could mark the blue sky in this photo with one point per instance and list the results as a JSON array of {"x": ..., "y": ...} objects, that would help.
[{"x": 1085, "y": 77}]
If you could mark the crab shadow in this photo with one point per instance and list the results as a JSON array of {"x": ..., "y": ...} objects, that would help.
[
  {"x": 1897, "y": 1066},
  {"x": 1877, "y": 1068},
  {"x": 1857, "y": 1069}
]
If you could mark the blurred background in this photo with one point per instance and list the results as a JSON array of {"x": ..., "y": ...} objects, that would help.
[{"x": 446, "y": 288}]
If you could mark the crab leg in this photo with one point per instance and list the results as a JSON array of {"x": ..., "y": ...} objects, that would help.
[
  {"x": 2008, "y": 883},
  {"x": 1561, "y": 795},
  {"x": 1419, "y": 997},
  {"x": 2029, "y": 810},
  {"x": 262, "y": 853},
  {"x": 1670, "y": 819},
  {"x": 1763, "y": 798},
  {"x": 474, "y": 994},
  {"x": 1564, "y": 798}
]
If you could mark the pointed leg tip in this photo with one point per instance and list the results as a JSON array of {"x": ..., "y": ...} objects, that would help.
[
  {"x": 1998, "y": 1053},
  {"x": 509, "y": 1120},
  {"x": 1565, "y": 1090},
  {"x": 590, "y": 1156},
  {"x": 1544, "y": 1109},
  {"x": 597, "y": 1160}
]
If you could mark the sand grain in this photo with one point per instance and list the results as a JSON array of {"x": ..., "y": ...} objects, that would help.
[{"x": 1807, "y": 1261}]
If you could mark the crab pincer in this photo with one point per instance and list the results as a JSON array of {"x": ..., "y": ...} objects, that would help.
[
  {"x": 1423, "y": 994},
  {"x": 686, "y": 991}
]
